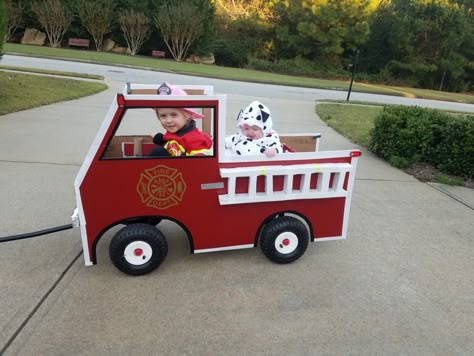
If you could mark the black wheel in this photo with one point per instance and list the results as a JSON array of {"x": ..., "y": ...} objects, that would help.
[
  {"x": 149, "y": 220},
  {"x": 284, "y": 239},
  {"x": 138, "y": 249}
]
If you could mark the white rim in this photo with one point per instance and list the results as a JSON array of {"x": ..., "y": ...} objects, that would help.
[
  {"x": 286, "y": 243},
  {"x": 138, "y": 253}
]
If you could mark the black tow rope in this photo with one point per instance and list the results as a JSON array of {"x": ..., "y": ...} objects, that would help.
[{"x": 36, "y": 233}]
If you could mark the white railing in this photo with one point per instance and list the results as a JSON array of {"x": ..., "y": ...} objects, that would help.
[{"x": 323, "y": 188}]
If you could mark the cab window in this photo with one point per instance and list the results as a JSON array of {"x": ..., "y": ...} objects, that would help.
[{"x": 133, "y": 138}]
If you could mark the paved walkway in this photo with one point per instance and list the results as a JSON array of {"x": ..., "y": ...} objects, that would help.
[{"x": 400, "y": 284}]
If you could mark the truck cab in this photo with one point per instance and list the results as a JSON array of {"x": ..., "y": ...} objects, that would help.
[{"x": 222, "y": 201}]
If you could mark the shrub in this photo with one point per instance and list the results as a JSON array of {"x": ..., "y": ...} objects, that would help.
[
  {"x": 406, "y": 135},
  {"x": 395, "y": 130},
  {"x": 441, "y": 178},
  {"x": 300, "y": 67},
  {"x": 240, "y": 40},
  {"x": 454, "y": 153},
  {"x": 230, "y": 53},
  {"x": 402, "y": 162}
]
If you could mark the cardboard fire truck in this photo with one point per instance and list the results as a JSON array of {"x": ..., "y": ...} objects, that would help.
[{"x": 222, "y": 201}]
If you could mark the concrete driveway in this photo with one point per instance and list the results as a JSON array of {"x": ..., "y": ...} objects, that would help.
[{"x": 400, "y": 284}]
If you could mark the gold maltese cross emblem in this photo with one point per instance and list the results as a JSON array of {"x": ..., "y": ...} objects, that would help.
[{"x": 161, "y": 187}]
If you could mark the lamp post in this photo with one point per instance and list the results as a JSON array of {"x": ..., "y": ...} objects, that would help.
[{"x": 353, "y": 65}]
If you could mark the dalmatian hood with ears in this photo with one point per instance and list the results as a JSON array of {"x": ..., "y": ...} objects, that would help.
[{"x": 256, "y": 114}]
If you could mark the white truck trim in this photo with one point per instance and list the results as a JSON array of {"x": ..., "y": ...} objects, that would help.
[{"x": 324, "y": 172}]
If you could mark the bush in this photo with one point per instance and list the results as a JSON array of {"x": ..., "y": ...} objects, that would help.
[
  {"x": 441, "y": 178},
  {"x": 300, "y": 67},
  {"x": 402, "y": 162},
  {"x": 455, "y": 151},
  {"x": 406, "y": 135},
  {"x": 240, "y": 40},
  {"x": 231, "y": 53},
  {"x": 395, "y": 130}
]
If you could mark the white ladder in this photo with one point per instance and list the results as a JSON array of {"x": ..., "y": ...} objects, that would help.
[{"x": 321, "y": 191}]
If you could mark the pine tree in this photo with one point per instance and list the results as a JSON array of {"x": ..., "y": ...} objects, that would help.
[{"x": 321, "y": 30}]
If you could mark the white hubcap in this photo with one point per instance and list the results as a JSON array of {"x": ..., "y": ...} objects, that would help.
[
  {"x": 137, "y": 253},
  {"x": 286, "y": 243}
]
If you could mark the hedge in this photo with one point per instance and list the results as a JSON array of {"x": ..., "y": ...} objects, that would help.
[{"x": 407, "y": 135}]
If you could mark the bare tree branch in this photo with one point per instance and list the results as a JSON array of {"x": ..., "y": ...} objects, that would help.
[
  {"x": 96, "y": 17},
  {"x": 54, "y": 17},
  {"x": 136, "y": 29},
  {"x": 180, "y": 25},
  {"x": 14, "y": 17}
]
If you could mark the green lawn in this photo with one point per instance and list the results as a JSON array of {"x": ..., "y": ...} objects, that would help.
[
  {"x": 214, "y": 71},
  {"x": 350, "y": 120},
  {"x": 355, "y": 121},
  {"x": 59, "y": 73},
  {"x": 25, "y": 91}
]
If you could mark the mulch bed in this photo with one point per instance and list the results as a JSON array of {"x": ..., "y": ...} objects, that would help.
[{"x": 427, "y": 173}]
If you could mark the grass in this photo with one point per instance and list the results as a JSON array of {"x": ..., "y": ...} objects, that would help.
[
  {"x": 25, "y": 91},
  {"x": 426, "y": 93},
  {"x": 351, "y": 121},
  {"x": 444, "y": 179},
  {"x": 167, "y": 65},
  {"x": 58, "y": 73},
  {"x": 354, "y": 121},
  {"x": 227, "y": 72}
]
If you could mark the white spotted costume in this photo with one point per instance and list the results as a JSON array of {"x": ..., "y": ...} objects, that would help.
[{"x": 259, "y": 115}]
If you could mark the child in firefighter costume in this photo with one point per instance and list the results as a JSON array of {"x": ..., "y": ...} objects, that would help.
[
  {"x": 255, "y": 134},
  {"x": 182, "y": 137}
]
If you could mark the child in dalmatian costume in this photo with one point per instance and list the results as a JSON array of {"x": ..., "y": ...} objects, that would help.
[{"x": 254, "y": 132}]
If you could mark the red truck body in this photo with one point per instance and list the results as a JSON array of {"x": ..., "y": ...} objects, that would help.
[{"x": 221, "y": 201}]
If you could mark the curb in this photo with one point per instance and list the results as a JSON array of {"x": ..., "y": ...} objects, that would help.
[{"x": 462, "y": 195}]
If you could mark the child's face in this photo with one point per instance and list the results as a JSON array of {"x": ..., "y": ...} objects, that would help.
[
  {"x": 172, "y": 119},
  {"x": 253, "y": 132}
]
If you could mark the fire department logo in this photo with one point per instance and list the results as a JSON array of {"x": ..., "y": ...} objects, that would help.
[{"x": 161, "y": 187}]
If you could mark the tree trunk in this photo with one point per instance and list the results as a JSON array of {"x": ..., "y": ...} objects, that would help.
[{"x": 441, "y": 84}]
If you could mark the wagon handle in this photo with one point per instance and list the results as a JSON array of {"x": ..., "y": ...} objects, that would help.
[{"x": 36, "y": 233}]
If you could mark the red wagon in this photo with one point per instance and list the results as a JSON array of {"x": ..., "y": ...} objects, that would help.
[{"x": 221, "y": 201}]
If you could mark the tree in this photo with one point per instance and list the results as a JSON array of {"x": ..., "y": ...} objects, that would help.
[
  {"x": 136, "y": 29},
  {"x": 180, "y": 24},
  {"x": 144, "y": 6},
  {"x": 96, "y": 16},
  {"x": 244, "y": 9},
  {"x": 244, "y": 31},
  {"x": 321, "y": 30},
  {"x": 425, "y": 43},
  {"x": 55, "y": 19},
  {"x": 2, "y": 24},
  {"x": 381, "y": 23},
  {"x": 426, "y": 40},
  {"x": 204, "y": 44},
  {"x": 242, "y": 40},
  {"x": 467, "y": 47},
  {"x": 14, "y": 15}
]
